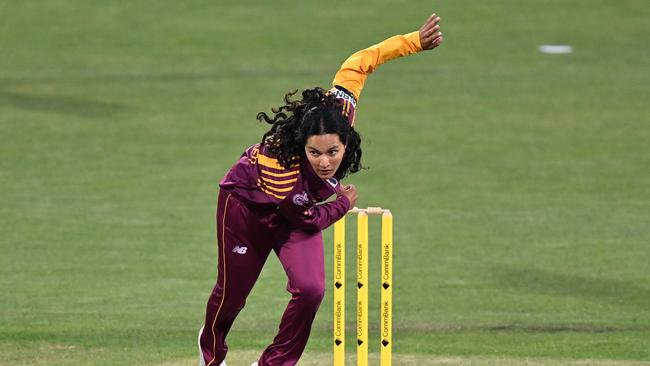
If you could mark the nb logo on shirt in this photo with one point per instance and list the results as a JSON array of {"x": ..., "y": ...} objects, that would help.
[{"x": 239, "y": 250}]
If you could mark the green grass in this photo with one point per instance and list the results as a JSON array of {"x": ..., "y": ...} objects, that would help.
[{"x": 519, "y": 181}]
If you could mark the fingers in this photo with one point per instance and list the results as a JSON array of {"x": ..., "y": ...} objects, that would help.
[
  {"x": 430, "y": 35},
  {"x": 350, "y": 188},
  {"x": 432, "y": 41},
  {"x": 350, "y": 192},
  {"x": 431, "y": 19},
  {"x": 430, "y": 23},
  {"x": 431, "y": 26},
  {"x": 429, "y": 31}
]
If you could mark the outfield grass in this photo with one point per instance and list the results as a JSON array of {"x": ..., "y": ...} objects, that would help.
[{"x": 519, "y": 181}]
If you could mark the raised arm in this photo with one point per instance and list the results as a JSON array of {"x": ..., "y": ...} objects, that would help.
[{"x": 349, "y": 80}]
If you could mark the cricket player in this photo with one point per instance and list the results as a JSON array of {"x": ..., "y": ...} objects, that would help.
[{"x": 274, "y": 199}]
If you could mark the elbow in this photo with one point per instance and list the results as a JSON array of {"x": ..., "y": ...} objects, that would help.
[{"x": 311, "y": 228}]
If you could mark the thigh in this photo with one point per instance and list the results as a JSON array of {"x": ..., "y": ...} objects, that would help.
[
  {"x": 242, "y": 243},
  {"x": 303, "y": 260},
  {"x": 240, "y": 235}
]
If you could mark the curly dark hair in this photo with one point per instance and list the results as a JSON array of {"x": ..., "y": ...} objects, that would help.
[{"x": 317, "y": 113}]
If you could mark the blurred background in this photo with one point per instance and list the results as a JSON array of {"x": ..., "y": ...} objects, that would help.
[{"x": 519, "y": 180}]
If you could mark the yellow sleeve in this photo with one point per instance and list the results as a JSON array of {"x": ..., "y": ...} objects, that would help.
[{"x": 354, "y": 71}]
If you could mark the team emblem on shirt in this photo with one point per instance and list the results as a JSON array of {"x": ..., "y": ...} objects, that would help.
[{"x": 301, "y": 199}]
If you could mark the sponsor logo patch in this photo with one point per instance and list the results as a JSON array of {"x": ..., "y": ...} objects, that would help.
[{"x": 340, "y": 94}]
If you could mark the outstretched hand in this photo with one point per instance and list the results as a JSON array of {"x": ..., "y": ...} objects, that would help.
[{"x": 430, "y": 35}]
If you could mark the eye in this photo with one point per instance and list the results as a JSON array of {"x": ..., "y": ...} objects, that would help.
[
  {"x": 314, "y": 153},
  {"x": 333, "y": 152}
]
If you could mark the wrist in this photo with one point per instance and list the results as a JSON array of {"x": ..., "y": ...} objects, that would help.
[
  {"x": 414, "y": 39},
  {"x": 346, "y": 201}
]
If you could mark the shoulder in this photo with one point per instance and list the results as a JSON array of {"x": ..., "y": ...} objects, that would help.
[{"x": 274, "y": 179}]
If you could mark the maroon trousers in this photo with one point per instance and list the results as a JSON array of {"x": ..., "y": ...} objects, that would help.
[{"x": 245, "y": 239}]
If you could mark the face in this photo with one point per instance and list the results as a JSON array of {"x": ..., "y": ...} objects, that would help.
[{"x": 325, "y": 153}]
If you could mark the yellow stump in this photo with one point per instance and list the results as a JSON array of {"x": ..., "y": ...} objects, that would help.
[
  {"x": 339, "y": 292},
  {"x": 386, "y": 288},
  {"x": 362, "y": 289}
]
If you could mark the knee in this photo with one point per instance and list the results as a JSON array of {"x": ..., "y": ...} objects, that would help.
[{"x": 311, "y": 294}]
